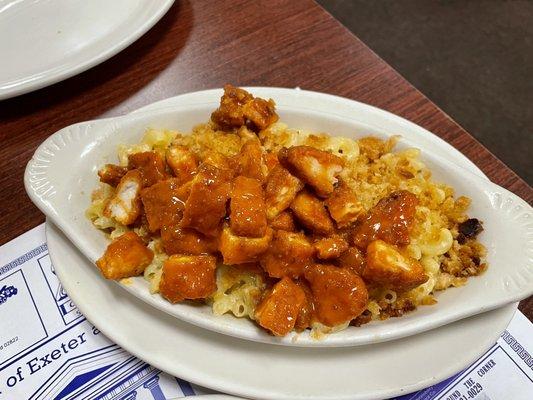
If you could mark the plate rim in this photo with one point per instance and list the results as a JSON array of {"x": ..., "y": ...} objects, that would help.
[{"x": 68, "y": 69}]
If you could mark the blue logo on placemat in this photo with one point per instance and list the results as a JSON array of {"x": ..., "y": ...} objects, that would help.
[{"x": 6, "y": 292}]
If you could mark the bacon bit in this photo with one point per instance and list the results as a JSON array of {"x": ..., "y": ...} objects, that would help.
[
  {"x": 312, "y": 213},
  {"x": 247, "y": 208},
  {"x": 390, "y": 220},
  {"x": 339, "y": 294},
  {"x": 125, "y": 206},
  {"x": 239, "y": 249},
  {"x": 178, "y": 240},
  {"x": 330, "y": 247},
  {"x": 126, "y": 256},
  {"x": 182, "y": 162},
  {"x": 288, "y": 255},
  {"x": 206, "y": 205},
  {"x": 317, "y": 168},
  {"x": 387, "y": 267},
  {"x": 163, "y": 203},
  {"x": 281, "y": 189},
  {"x": 188, "y": 277},
  {"x": 112, "y": 174},
  {"x": 279, "y": 309},
  {"x": 343, "y": 206},
  {"x": 151, "y": 165}
]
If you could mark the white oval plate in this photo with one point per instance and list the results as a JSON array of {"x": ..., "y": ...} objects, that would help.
[
  {"x": 80, "y": 149},
  {"x": 45, "y": 41},
  {"x": 262, "y": 371}
]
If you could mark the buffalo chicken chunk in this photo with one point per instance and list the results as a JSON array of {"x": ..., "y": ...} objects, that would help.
[
  {"x": 112, "y": 174},
  {"x": 312, "y": 213},
  {"x": 182, "y": 162},
  {"x": 288, "y": 255},
  {"x": 318, "y": 168},
  {"x": 330, "y": 247},
  {"x": 389, "y": 220},
  {"x": 188, "y": 278},
  {"x": 206, "y": 205},
  {"x": 339, "y": 294},
  {"x": 343, "y": 206},
  {"x": 151, "y": 165},
  {"x": 240, "y": 249},
  {"x": 250, "y": 161},
  {"x": 279, "y": 309},
  {"x": 125, "y": 257},
  {"x": 281, "y": 189},
  {"x": 178, "y": 240},
  {"x": 238, "y": 107},
  {"x": 354, "y": 260},
  {"x": 125, "y": 206},
  {"x": 284, "y": 222},
  {"x": 163, "y": 203},
  {"x": 247, "y": 208},
  {"x": 387, "y": 267}
]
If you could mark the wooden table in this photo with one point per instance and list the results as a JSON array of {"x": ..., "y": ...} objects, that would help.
[{"x": 204, "y": 44}]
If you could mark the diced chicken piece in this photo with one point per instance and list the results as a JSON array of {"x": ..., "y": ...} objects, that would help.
[
  {"x": 230, "y": 113},
  {"x": 151, "y": 165},
  {"x": 260, "y": 112},
  {"x": 163, "y": 203},
  {"x": 339, "y": 294},
  {"x": 125, "y": 257},
  {"x": 284, "y": 222},
  {"x": 182, "y": 162},
  {"x": 188, "y": 278},
  {"x": 306, "y": 317},
  {"x": 387, "y": 267},
  {"x": 353, "y": 259},
  {"x": 390, "y": 220},
  {"x": 125, "y": 206},
  {"x": 330, "y": 247},
  {"x": 219, "y": 160},
  {"x": 279, "y": 309},
  {"x": 247, "y": 208},
  {"x": 318, "y": 168},
  {"x": 250, "y": 161},
  {"x": 112, "y": 174},
  {"x": 271, "y": 161},
  {"x": 312, "y": 213},
  {"x": 238, "y": 107},
  {"x": 206, "y": 205},
  {"x": 178, "y": 240},
  {"x": 281, "y": 189},
  {"x": 288, "y": 255},
  {"x": 239, "y": 249},
  {"x": 343, "y": 206}
]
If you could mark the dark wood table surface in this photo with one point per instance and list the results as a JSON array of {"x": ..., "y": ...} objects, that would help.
[{"x": 204, "y": 44}]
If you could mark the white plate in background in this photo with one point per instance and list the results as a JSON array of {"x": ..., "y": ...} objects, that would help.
[
  {"x": 45, "y": 41},
  {"x": 508, "y": 234}
]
